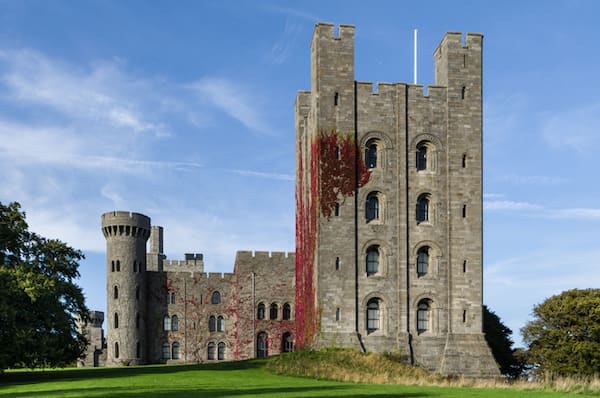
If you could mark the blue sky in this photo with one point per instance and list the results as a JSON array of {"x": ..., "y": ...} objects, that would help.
[{"x": 184, "y": 111}]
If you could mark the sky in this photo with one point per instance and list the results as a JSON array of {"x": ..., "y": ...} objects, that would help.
[{"x": 183, "y": 111}]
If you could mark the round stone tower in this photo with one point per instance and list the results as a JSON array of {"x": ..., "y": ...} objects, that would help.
[{"x": 126, "y": 235}]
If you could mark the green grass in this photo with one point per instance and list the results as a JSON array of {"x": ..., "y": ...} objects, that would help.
[{"x": 237, "y": 379}]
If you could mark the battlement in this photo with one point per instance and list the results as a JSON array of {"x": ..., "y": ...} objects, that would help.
[
  {"x": 246, "y": 255},
  {"x": 455, "y": 40},
  {"x": 364, "y": 88},
  {"x": 218, "y": 276},
  {"x": 124, "y": 223},
  {"x": 327, "y": 30}
]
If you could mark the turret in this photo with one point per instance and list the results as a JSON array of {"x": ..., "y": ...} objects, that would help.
[{"x": 126, "y": 235}]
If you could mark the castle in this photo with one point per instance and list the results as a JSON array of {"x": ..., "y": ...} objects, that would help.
[{"x": 388, "y": 235}]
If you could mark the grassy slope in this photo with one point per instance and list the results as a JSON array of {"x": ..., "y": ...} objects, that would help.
[{"x": 241, "y": 379}]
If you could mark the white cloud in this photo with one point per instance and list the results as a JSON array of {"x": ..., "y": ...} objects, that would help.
[
  {"x": 534, "y": 180},
  {"x": 260, "y": 174},
  {"x": 508, "y": 205},
  {"x": 281, "y": 49},
  {"x": 576, "y": 213},
  {"x": 231, "y": 99}
]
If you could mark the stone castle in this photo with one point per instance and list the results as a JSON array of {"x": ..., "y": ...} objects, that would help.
[{"x": 388, "y": 235}]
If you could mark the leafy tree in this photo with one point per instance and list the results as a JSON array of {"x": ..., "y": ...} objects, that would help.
[
  {"x": 39, "y": 301},
  {"x": 564, "y": 336},
  {"x": 498, "y": 338}
]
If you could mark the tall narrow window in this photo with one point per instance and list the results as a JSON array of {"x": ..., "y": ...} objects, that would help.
[
  {"x": 212, "y": 323},
  {"x": 373, "y": 315},
  {"x": 422, "y": 156},
  {"x": 221, "y": 351},
  {"x": 166, "y": 351},
  {"x": 175, "y": 350},
  {"x": 337, "y": 152},
  {"x": 336, "y": 99},
  {"x": 167, "y": 323},
  {"x": 336, "y": 210},
  {"x": 464, "y": 211},
  {"x": 215, "y": 298},
  {"x": 260, "y": 312},
  {"x": 464, "y": 161},
  {"x": 423, "y": 316},
  {"x": 464, "y": 265},
  {"x": 118, "y": 266},
  {"x": 174, "y": 323},
  {"x": 372, "y": 260},
  {"x": 117, "y": 350},
  {"x": 287, "y": 312},
  {"x": 115, "y": 292},
  {"x": 211, "y": 351},
  {"x": 464, "y": 316},
  {"x": 423, "y": 261},
  {"x": 463, "y": 92},
  {"x": 220, "y": 324},
  {"x": 138, "y": 350},
  {"x": 137, "y": 292},
  {"x": 273, "y": 311},
  {"x": 337, "y": 263},
  {"x": 135, "y": 267},
  {"x": 116, "y": 321},
  {"x": 372, "y": 208},
  {"x": 287, "y": 342},
  {"x": 112, "y": 268},
  {"x": 337, "y": 314},
  {"x": 137, "y": 320},
  {"x": 262, "y": 347},
  {"x": 423, "y": 208},
  {"x": 173, "y": 298},
  {"x": 371, "y": 154}
]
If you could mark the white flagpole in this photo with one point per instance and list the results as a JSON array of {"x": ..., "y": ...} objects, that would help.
[{"x": 415, "y": 58}]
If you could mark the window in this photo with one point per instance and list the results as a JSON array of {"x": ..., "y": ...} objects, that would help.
[
  {"x": 273, "y": 311},
  {"x": 262, "y": 348},
  {"x": 371, "y": 154},
  {"x": 373, "y": 315},
  {"x": 372, "y": 260},
  {"x": 337, "y": 263},
  {"x": 166, "y": 351},
  {"x": 423, "y": 316},
  {"x": 112, "y": 268},
  {"x": 337, "y": 314},
  {"x": 118, "y": 266},
  {"x": 167, "y": 298},
  {"x": 215, "y": 298},
  {"x": 138, "y": 350},
  {"x": 423, "y": 208},
  {"x": 175, "y": 350},
  {"x": 372, "y": 208},
  {"x": 423, "y": 261},
  {"x": 167, "y": 323},
  {"x": 220, "y": 324},
  {"x": 337, "y": 152},
  {"x": 117, "y": 350},
  {"x": 287, "y": 312},
  {"x": 211, "y": 351},
  {"x": 137, "y": 320},
  {"x": 221, "y": 351},
  {"x": 174, "y": 323},
  {"x": 463, "y": 92},
  {"x": 212, "y": 324},
  {"x": 464, "y": 161},
  {"x": 336, "y": 210},
  {"x": 464, "y": 211},
  {"x": 464, "y": 265},
  {"x": 422, "y": 156},
  {"x": 260, "y": 313},
  {"x": 135, "y": 266},
  {"x": 336, "y": 99},
  {"x": 116, "y": 321},
  {"x": 464, "y": 316},
  {"x": 115, "y": 292},
  {"x": 137, "y": 292},
  {"x": 287, "y": 342},
  {"x": 173, "y": 298}
]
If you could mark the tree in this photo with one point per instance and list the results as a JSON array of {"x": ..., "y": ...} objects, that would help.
[
  {"x": 564, "y": 336},
  {"x": 498, "y": 338},
  {"x": 39, "y": 301}
]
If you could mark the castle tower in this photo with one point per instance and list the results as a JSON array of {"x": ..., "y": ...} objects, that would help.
[
  {"x": 389, "y": 208},
  {"x": 126, "y": 235}
]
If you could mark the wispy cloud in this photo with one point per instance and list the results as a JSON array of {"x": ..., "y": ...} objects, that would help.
[
  {"x": 293, "y": 12},
  {"x": 533, "y": 180},
  {"x": 267, "y": 175},
  {"x": 494, "y": 202},
  {"x": 231, "y": 99},
  {"x": 574, "y": 129},
  {"x": 281, "y": 49},
  {"x": 508, "y": 205}
]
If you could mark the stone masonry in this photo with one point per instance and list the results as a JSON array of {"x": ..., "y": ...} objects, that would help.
[{"x": 388, "y": 234}]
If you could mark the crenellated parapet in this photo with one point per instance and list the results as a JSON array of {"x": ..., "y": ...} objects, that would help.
[{"x": 124, "y": 223}]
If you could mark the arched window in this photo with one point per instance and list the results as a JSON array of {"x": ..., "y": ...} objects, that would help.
[
  {"x": 116, "y": 321},
  {"x": 112, "y": 268},
  {"x": 212, "y": 323},
  {"x": 423, "y": 261},
  {"x": 336, "y": 210},
  {"x": 371, "y": 154},
  {"x": 372, "y": 260},
  {"x": 221, "y": 351},
  {"x": 118, "y": 266},
  {"x": 167, "y": 323},
  {"x": 220, "y": 324},
  {"x": 287, "y": 312},
  {"x": 262, "y": 348},
  {"x": 273, "y": 311},
  {"x": 423, "y": 316},
  {"x": 116, "y": 350},
  {"x": 116, "y": 292},
  {"x": 138, "y": 350},
  {"x": 215, "y": 298},
  {"x": 260, "y": 312},
  {"x": 137, "y": 320},
  {"x": 173, "y": 298},
  {"x": 174, "y": 323},
  {"x": 211, "y": 351},
  {"x": 423, "y": 208},
  {"x": 175, "y": 350},
  {"x": 373, "y": 315},
  {"x": 372, "y": 208},
  {"x": 422, "y": 156},
  {"x": 166, "y": 351},
  {"x": 287, "y": 342}
]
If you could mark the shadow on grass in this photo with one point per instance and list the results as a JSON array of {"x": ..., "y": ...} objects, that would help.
[{"x": 346, "y": 391}]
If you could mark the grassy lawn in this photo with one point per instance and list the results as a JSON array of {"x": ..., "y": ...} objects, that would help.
[{"x": 240, "y": 379}]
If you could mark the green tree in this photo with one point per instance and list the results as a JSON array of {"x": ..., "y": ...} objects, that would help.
[
  {"x": 498, "y": 338},
  {"x": 564, "y": 336},
  {"x": 39, "y": 301}
]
